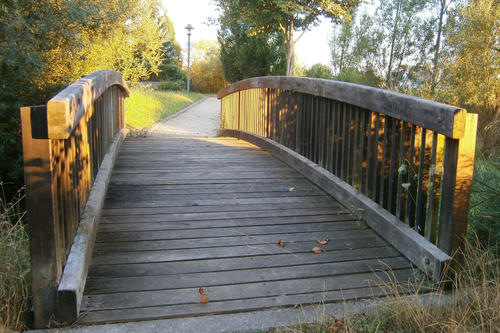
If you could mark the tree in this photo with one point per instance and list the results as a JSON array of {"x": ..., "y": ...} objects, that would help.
[
  {"x": 207, "y": 75},
  {"x": 285, "y": 16},
  {"x": 471, "y": 75},
  {"x": 46, "y": 44},
  {"x": 244, "y": 56},
  {"x": 170, "y": 68},
  {"x": 320, "y": 71}
]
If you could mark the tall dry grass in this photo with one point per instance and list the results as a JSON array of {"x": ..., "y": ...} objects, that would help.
[
  {"x": 473, "y": 305},
  {"x": 14, "y": 264}
]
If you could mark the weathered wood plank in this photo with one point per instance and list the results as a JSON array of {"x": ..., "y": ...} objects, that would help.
[
  {"x": 224, "y": 232},
  {"x": 218, "y": 215},
  {"x": 232, "y": 263},
  {"x": 366, "y": 236},
  {"x": 236, "y": 291},
  {"x": 209, "y": 279},
  {"x": 423, "y": 254}
]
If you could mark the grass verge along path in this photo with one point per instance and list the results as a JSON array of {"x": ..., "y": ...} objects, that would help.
[{"x": 145, "y": 107}]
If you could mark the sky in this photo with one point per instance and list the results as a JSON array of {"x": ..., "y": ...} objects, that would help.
[{"x": 311, "y": 48}]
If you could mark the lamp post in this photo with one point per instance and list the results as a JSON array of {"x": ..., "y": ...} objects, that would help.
[{"x": 189, "y": 27}]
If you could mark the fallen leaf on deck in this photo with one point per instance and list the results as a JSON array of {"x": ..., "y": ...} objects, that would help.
[
  {"x": 323, "y": 241},
  {"x": 204, "y": 298},
  {"x": 284, "y": 176},
  {"x": 283, "y": 295},
  {"x": 295, "y": 306},
  {"x": 281, "y": 243},
  {"x": 318, "y": 250}
]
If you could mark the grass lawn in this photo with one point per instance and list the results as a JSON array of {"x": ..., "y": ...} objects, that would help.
[{"x": 145, "y": 107}]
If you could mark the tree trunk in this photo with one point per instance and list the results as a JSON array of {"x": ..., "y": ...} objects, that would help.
[
  {"x": 393, "y": 41},
  {"x": 437, "y": 48},
  {"x": 289, "y": 47}
]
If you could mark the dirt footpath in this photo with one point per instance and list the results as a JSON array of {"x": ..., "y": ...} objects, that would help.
[{"x": 200, "y": 119}]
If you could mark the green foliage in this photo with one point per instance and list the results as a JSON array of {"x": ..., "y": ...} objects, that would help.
[
  {"x": 273, "y": 16},
  {"x": 319, "y": 71},
  {"x": 46, "y": 44},
  {"x": 354, "y": 75},
  {"x": 245, "y": 56},
  {"x": 484, "y": 218},
  {"x": 172, "y": 85},
  {"x": 471, "y": 73},
  {"x": 145, "y": 107},
  {"x": 207, "y": 75},
  {"x": 14, "y": 264}
]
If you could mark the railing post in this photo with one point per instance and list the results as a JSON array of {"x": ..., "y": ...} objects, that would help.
[
  {"x": 458, "y": 168},
  {"x": 47, "y": 250}
]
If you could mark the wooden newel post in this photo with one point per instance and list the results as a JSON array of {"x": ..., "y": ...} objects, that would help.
[
  {"x": 458, "y": 170},
  {"x": 46, "y": 239}
]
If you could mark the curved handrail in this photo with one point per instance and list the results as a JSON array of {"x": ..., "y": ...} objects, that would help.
[
  {"x": 404, "y": 163},
  {"x": 65, "y": 110},
  {"x": 441, "y": 118}
]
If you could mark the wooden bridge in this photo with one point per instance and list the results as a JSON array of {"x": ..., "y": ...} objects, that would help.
[{"x": 150, "y": 228}]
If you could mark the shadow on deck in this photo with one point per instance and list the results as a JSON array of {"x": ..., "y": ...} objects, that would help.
[{"x": 183, "y": 214}]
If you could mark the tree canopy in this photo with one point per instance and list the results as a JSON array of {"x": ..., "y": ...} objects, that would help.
[
  {"x": 284, "y": 16},
  {"x": 47, "y": 44},
  {"x": 244, "y": 56}
]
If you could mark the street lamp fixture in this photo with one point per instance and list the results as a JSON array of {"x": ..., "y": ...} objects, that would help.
[{"x": 189, "y": 27}]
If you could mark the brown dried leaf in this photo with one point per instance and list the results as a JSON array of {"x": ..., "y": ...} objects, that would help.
[
  {"x": 281, "y": 243},
  {"x": 284, "y": 177},
  {"x": 204, "y": 298},
  {"x": 324, "y": 241},
  {"x": 318, "y": 250},
  {"x": 296, "y": 305}
]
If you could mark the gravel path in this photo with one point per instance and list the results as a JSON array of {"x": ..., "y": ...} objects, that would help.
[{"x": 200, "y": 119}]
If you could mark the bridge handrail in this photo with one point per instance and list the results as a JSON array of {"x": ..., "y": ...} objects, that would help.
[
  {"x": 403, "y": 162},
  {"x": 69, "y": 146},
  {"x": 444, "y": 119}
]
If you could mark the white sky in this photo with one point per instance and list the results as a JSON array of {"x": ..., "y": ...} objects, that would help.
[{"x": 310, "y": 49}]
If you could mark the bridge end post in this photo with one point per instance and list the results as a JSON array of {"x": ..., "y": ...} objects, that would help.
[{"x": 46, "y": 238}]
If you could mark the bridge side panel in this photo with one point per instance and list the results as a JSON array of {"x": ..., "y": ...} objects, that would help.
[{"x": 46, "y": 239}]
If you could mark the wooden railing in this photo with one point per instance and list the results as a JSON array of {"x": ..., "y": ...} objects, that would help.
[
  {"x": 402, "y": 163},
  {"x": 68, "y": 146}
]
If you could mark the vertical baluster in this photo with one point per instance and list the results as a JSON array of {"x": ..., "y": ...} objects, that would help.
[
  {"x": 348, "y": 155},
  {"x": 330, "y": 134},
  {"x": 344, "y": 141},
  {"x": 375, "y": 187},
  {"x": 368, "y": 153},
  {"x": 419, "y": 216},
  {"x": 362, "y": 159},
  {"x": 431, "y": 221},
  {"x": 337, "y": 138},
  {"x": 410, "y": 198},
  {"x": 355, "y": 147},
  {"x": 401, "y": 171},
  {"x": 391, "y": 168},
  {"x": 383, "y": 173}
]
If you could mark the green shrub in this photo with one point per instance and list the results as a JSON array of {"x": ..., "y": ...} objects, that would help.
[{"x": 172, "y": 85}]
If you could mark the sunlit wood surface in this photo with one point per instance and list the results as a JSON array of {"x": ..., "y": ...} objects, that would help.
[{"x": 183, "y": 214}]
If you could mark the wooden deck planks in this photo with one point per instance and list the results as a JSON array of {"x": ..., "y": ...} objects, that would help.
[{"x": 183, "y": 214}]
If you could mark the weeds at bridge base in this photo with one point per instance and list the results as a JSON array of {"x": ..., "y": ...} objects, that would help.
[
  {"x": 14, "y": 264},
  {"x": 474, "y": 305}
]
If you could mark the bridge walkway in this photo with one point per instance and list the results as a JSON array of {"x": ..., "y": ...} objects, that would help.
[{"x": 223, "y": 215}]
